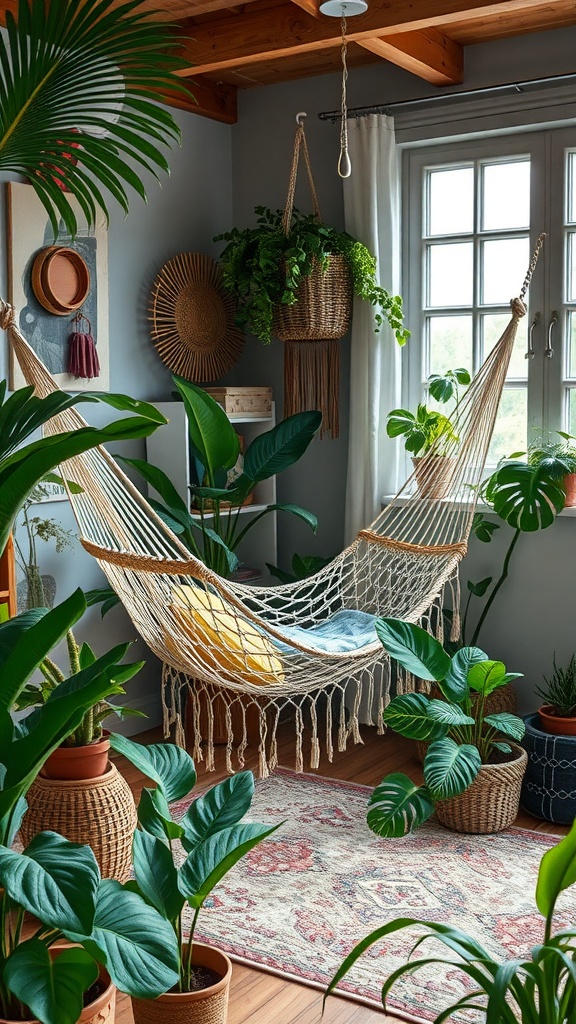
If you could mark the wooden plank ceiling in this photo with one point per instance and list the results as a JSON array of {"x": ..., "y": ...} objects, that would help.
[{"x": 259, "y": 42}]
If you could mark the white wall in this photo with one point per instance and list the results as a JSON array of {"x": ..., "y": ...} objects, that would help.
[{"x": 183, "y": 214}]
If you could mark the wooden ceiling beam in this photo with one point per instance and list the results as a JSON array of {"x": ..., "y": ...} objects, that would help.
[
  {"x": 310, "y": 6},
  {"x": 216, "y": 45},
  {"x": 216, "y": 100},
  {"x": 428, "y": 54}
]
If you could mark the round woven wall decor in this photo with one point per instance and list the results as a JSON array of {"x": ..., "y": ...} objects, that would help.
[{"x": 193, "y": 326}]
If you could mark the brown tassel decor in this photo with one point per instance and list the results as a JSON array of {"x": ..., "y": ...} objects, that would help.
[
  {"x": 82, "y": 355},
  {"x": 312, "y": 381}
]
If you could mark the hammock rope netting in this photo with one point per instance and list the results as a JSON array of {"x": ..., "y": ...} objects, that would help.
[{"x": 261, "y": 649}]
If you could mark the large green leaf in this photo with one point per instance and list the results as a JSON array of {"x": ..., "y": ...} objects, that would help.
[
  {"x": 277, "y": 449},
  {"x": 398, "y": 806},
  {"x": 557, "y": 872},
  {"x": 450, "y": 767},
  {"x": 212, "y": 859},
  {"x": 506, "y": 723},
  {"x": 455, "y": 685},
  {"x": 51, "y": 989},
  {"x": 448, "y": 714},
  {"x": 156, "y": 874},
  {"x": 213, "y": 438},
  {"x": 53, "y": 879},
  {"x": 169, "y": 766},
  {"x": 159, "y": 481},
  {"x": 525, "y": 496},
  {"x": 154, "y": 815},
  {"x": 408, "y": 714},
  {"x": 487, "y": 676},
  {"x": 414, "y": 648},
  {"x": 136, "y": 944},
  {"x": 99, "y": 67},
  {"x": 222, "y": 806}
]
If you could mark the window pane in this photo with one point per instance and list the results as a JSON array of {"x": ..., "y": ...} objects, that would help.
[
  {"x": 571, "y": 188},
  {"x": 450, "y": 274},
  {"x": 510, "y": 432},
  {"x": 506, "y": 195},
  {"x": 505, "y": 264},
  {"x": 450, "y": 343},
  {"x": 493, "y": 326},
  {"x": 571, "y": 425},
  {"x": 451, "y": 201},
  {"x": 571, "y": 268},
  {"x": 571, "y": 345}
]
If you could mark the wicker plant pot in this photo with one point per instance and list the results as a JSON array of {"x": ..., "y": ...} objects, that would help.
[
  {"x": 101, "y": 1010},
  {"x": 323, "y": 308},
  {"x": 491, "y": 803},
  {"x": 434, "y": 474},
  {"x": 206, "y": 1006},
  {"x": 549, "y": 786},
  {"x": 502, "y": 699},
  {"x": 99, "y": 812}
]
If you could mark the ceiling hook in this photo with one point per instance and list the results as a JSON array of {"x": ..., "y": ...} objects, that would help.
[{"x": 299, "y": 117}]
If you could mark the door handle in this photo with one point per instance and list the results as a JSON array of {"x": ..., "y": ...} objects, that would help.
[
  {"x": 549, "y": 351},
  {"x": 530, "y": 353}
]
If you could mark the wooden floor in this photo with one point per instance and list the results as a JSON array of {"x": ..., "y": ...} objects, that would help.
[{"x": 260, "y": 998}]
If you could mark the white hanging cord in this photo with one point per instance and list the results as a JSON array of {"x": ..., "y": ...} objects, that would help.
[{"x": 344, "y": 164}]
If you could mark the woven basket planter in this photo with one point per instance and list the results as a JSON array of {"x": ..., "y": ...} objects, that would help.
[
  {"x": 99, "y": 812},
  {"x": 491, "y": 803},
  {"x": 206, "y": 1006},
  {"x": 549, "y": 787},
  {"x": 101, "y": 1010},
  {"x": 502, "y": 699},
  {"x": 323, "y": 308}
]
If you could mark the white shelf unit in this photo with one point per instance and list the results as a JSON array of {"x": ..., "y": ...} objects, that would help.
[{"x": 168, "y": 448}]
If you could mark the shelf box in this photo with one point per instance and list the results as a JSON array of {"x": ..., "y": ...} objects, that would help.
[{"x": 245, "y": 402}]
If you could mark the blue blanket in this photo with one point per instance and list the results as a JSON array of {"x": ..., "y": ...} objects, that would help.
[{"x": 346, "y": 630}]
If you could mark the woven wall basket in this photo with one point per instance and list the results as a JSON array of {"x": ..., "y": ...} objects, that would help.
[
  {"x": 491, "y": 803},
  {"x": 99, "y": 812}
]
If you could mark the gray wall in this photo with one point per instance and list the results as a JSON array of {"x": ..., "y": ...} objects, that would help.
[
  {"x": 183, "y": 214},
  {"x": 535, "y": 613}
]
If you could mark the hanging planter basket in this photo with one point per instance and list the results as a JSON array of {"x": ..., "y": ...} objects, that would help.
[{"x": 323, "y": 309}]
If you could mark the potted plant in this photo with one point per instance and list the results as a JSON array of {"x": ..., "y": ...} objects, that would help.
[
  {"x": 472, "y": 773},
  {"x": 429, "y": 434},
  {"x": 57, "y": 881},
  {"x": 38, "y": 590},
  {"x": 559, "y": 458},
  {"x": 538, "y": 990},
  {"x": 213, "y": 530},
  {"x": 213, "y": 840},
  {"x": 558, "y": 712},
  {"x": 264, "y": 266}
]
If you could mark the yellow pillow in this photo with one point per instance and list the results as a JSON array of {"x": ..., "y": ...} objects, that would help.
[{"x": 231, "y": 646}]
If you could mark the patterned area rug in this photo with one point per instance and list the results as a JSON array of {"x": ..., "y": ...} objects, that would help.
[{"x": 297, "y": 903}]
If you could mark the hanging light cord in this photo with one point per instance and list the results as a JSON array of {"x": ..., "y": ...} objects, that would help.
[{"x": 344, "y": 165}]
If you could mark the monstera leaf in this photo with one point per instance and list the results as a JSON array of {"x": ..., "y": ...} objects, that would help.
[{"x": 525, "y": 496}]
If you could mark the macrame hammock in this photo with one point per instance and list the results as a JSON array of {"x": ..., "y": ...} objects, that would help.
[{"x": 308, "y": 646}]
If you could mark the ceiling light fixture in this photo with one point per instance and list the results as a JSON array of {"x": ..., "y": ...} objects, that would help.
[{"x": 343, "y": 9}]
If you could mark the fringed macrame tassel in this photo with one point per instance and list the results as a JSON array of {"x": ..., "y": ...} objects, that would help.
[
  {"x": 440, "y": 618},
  {"x": 342, "y": 731},
  {"x": 83, "y": 359},
  {"x": 315, "y": 748},
  {"x": 456, "y": 628},
  {"x": 273, "y": 750},
  {"x": 370, "y": 697},
  {"x": 229, "y": 738},
  {"x": 194, "y": 699},
  {"x": 244, "y": 741},
  {"x": 312, "y": 381},
  {"x": 329, "y": 725},
  {"x": 263, "y": 769},
  {"x": 383, "y": 691},
  {"x": 299, "y": 734},
  {"x": 210, "y": 765},
  {"x": 354, "y": 725}
]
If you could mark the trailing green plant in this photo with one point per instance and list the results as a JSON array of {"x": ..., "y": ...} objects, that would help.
[
  {"x": 527, "y": 494},
  {"x": 213, "y": 530},
  {"x": 425, "y": 430},
  {"x": 57, "y": 881},
  {"x": 263, "y": 267},
  {"x": 82, "y": 83},
  {"x": 461, "y": 736},
  {"x": 559, "y": 691},
  {"x": 211, "y": 833},
  {"x": 540, "y": 989}
]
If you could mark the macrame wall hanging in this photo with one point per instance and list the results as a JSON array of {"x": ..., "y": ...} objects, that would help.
[{"x": 312, "y": 326}]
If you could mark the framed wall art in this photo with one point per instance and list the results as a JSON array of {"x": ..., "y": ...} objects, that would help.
[{"x": 50, "y": 281}]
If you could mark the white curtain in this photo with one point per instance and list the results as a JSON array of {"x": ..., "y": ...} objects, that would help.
[{"x": 372, "y": 215}]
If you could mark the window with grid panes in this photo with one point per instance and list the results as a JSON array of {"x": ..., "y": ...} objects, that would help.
[{"x": 472, "y": 214}]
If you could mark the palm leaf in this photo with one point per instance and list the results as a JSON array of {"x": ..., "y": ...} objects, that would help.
[{"x": 85, "y": 74}]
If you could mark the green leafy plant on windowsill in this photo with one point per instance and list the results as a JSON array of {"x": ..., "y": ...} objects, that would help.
[
  {"x": 263, "y": 266},
  {"x": 540, "y": 989},
  {"x": 425, "y": 430}
]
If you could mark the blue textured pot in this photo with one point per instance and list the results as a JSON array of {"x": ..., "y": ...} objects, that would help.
[{"x": 549, "y": 787}]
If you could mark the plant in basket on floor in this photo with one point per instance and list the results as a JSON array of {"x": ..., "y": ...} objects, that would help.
[
  {"x": 538, "y": 990},
  {"x": 213, "y": 840},
  {"x": 115, "y": 933},
  {"x": 472, "y": 772}
]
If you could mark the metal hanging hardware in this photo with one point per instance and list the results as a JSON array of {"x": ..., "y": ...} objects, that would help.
[
  {"x": 549, "y": 351},
  {"x": 530, "y": 353}
]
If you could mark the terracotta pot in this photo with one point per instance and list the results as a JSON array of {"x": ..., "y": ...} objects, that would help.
[
  {"x": 558, "y": 725},
  {"x": 206, "y": 1006},
  {"x": 491, "y": 803},
  {"x": 101, "y": 1010},
  {"x": 433, "y": 474},
  {"x": 78, "y": 763},
  {"x": 570, "y": 488}
]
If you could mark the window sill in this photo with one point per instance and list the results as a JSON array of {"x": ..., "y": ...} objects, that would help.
[{"x": 569, "y": 512}]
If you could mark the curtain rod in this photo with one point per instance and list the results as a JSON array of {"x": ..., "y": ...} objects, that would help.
[{"x": 385, "y": 108}]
